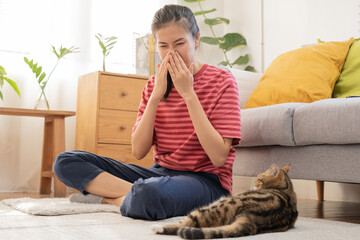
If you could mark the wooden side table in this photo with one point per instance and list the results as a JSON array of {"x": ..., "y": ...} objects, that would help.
[{"x": 53, "y": 143}]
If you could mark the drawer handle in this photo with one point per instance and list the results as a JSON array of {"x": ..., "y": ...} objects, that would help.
[
  {"x": 124, "y": 93},
  {"x": 122, "y": 127}
]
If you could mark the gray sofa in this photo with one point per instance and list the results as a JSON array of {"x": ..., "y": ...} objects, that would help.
[{"x": 321, "y": 140}]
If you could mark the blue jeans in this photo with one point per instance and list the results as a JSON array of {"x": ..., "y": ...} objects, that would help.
[{"x": 157, "y": 192}]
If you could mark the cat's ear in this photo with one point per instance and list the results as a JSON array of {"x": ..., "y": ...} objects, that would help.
[
  {"x": 274, "y": 170},
  {"x": 286, "y": 168}
]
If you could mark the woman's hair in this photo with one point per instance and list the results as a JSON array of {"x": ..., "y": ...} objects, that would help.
[
  {"x": 177, "y": 14},
  {"x": 174, "y": 14}
]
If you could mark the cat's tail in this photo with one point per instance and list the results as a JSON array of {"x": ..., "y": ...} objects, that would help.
[{"x": 243, "y": 226}]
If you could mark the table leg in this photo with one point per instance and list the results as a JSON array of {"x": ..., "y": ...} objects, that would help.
[
  {"x": 47, "y": 156},
  {"x": 54, "y": 143},
  {"x": 59, "y": 147}
]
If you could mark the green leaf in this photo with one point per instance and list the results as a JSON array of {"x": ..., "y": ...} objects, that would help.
[
  {"x": 1, "y": 96},
  {"x": 215, "y": 21},
  {"x": 224, "y": 63},
  {"x": 242, "y": 60},
  {"x": 1, "y": 81},
  {"x": 13, "y": 85},
  {"x": 110, "y": 39},
  {"x": 110, "y": 44},
  {"x": 38, "y": 71},
  {"x": 42, "y": 76},
  {"x": 26, "y": 60},
  {"x": 34, "y": 68},
  {"x": 102, "y": 45},
  {"x": 250, "y": 69},
  {"x": 233, "y": 40},
  {"x": 54, "y": 51},
  {"x": 2, "y": 71},
  {"x": 63, "y": 51},
  {"x": 212, "y": 41},
  {"x": 204, "y": 12}
]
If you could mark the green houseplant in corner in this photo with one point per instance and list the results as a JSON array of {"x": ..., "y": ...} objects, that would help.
[
  {"x": 40, "y": 75},
  {"x": 4, "y": 78},
  {"x": 225, "y": 43},
  {"x": 106, "y": 45}
]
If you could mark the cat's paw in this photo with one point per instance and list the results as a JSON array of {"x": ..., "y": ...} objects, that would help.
[{"x": 156, "y": 228}]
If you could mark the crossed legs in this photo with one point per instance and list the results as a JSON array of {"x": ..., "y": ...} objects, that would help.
[{"x": 146, "y": 193}]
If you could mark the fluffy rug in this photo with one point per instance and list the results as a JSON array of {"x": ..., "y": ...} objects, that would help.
[
  {"x": 15, "y": 224},
  {"x": 56, "y": 206}
]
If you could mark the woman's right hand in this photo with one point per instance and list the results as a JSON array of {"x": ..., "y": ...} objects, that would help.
[{"x": 160, "y": 82}]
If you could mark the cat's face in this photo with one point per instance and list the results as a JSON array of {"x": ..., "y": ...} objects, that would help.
[{"x": 273, "y": 178}]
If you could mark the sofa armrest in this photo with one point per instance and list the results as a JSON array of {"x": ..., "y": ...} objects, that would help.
[{"x": 269, "y": 125}]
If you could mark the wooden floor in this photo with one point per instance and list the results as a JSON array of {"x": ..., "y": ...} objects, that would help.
[{"x": 337, "y": 211}]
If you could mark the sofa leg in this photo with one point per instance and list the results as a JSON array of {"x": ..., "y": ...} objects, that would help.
[{"x": 320, "y": 190}]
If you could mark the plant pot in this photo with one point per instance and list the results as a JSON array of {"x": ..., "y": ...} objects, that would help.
[{"x": 42, "y": 102}]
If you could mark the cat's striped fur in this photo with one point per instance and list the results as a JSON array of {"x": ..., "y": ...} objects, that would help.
[{"x": 271, "y": 207}]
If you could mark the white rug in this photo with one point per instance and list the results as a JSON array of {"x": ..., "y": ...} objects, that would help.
[
  {"x": 15, "y": 224},
  {"x": 56, "y": 206}
]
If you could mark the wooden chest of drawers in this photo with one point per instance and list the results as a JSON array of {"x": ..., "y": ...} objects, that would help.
[{"x": 106, "y": 112}]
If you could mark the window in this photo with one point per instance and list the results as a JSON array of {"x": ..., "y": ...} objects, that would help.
[{"x": 29, "y": 28}]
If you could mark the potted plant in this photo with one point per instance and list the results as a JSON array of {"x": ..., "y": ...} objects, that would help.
[
  {"x": 4, "y": 78},
  {"x": 106, "y": 45},
  {"x": 40, "y": 75}
]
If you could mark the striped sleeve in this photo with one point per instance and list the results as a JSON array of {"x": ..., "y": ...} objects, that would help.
[
  {"x": 225, "y": 117},
  {"x": 143, "y": 102}
]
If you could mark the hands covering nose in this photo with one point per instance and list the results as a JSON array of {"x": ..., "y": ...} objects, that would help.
[{"x": 181, "y": 75}]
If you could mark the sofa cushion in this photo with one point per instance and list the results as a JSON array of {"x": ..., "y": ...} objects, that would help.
[
  {"x": 329, "y": 121},
  {"x": 270, "y": 125},
  {"x": 348, "y": 83},
  {"x": 307, "y": 74}
]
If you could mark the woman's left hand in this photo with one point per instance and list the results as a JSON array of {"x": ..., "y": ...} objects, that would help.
[{"x": 181, "y": 75}]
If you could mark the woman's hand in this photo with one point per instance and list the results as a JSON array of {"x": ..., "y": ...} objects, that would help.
[
  {"x": 181, "y": 75},
  {"x": 160, "y": 79}
]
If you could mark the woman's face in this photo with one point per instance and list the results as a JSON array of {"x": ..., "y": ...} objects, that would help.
[{"x": 174, "y": 37}]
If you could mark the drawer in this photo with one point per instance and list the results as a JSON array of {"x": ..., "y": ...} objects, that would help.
[
  {"x": 115, "y": 126},
  {"x": 120, "y": 92},
  {"x": 122, "y": 153}
]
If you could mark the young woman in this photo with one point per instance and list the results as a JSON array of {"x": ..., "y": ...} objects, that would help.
[{"x": 193, "y": 131}]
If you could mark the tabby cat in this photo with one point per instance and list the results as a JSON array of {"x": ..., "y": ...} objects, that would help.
[{"x": 271, "y": 207}]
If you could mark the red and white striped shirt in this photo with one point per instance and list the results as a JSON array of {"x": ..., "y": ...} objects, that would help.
[{"x": 176, "y": 144}]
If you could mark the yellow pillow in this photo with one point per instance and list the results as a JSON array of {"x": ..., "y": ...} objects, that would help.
[
  {"x": 306, "y": 74},
  {"x": 348, "y": 83}
]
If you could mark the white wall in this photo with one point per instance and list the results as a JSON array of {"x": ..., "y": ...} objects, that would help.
[
  {"x": 290, "y": 24},
  {"x": 245, "y": 18}
]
